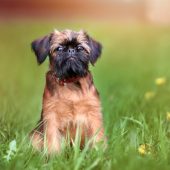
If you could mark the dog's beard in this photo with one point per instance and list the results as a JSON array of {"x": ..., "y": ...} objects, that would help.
[{"x": 69, "y": 67}]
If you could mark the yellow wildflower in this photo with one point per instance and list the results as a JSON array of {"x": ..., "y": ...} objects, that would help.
[
  {"x": 168, "y": 116},
  {"x": 142, "y": 149},
  {"x": 160, "y": 81},
  {"x": 149, "y": 95}
]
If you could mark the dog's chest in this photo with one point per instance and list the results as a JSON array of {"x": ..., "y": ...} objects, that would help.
[
  {"x": 70, "y": 92},
  {"x": 73, "y": 104}
]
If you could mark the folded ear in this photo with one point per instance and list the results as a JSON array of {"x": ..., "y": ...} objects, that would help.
[
  {"x": 96, "y": 49},
  {"x": 41, "y": 48}
]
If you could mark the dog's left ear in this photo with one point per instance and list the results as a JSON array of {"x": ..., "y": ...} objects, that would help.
[
  {"x": 41, "y": 48},
  {"x": 96, "y": 49}
]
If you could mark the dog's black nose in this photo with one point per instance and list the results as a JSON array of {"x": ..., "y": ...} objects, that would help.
[{"x": 71, "y": 51}]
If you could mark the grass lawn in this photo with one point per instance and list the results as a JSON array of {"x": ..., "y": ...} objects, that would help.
[{"x": 134, "y": 106}]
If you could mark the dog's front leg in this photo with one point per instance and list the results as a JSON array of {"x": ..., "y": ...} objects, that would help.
[
  {"x": 52, "y": 134},
  {"x": 97, "y": 130}
]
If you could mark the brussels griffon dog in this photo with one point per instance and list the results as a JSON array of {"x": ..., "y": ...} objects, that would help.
[{"x": 70, "y": 99}]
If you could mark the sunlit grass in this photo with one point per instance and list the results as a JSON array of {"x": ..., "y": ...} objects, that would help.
[{"x": 132, "y": 77}]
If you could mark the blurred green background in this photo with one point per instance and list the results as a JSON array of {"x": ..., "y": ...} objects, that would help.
[{"x": 132, "y": 77}]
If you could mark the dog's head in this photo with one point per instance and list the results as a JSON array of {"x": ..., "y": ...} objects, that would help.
[{"x": 69, "y": 52}]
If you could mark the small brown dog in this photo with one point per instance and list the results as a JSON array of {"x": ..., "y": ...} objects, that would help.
[{"x": 70, "y": 99}]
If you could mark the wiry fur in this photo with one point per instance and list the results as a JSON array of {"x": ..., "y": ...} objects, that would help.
[{"x": 74, "y": 105}]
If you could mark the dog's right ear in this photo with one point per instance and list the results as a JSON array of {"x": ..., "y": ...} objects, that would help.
[{"x": 41, "y": 48}]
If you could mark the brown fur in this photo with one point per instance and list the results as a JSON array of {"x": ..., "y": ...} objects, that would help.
[{"x": 66, "y": 108}]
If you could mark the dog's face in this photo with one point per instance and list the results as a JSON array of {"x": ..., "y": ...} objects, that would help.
[{"x": 69, "y": 52}]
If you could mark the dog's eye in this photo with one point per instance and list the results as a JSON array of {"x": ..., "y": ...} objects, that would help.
[
  {"x": 60, "y": 48},
  {"x": 80, "y": 48}
]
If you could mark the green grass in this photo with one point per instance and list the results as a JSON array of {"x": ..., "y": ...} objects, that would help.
[{"x": 133, "y": 57}]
